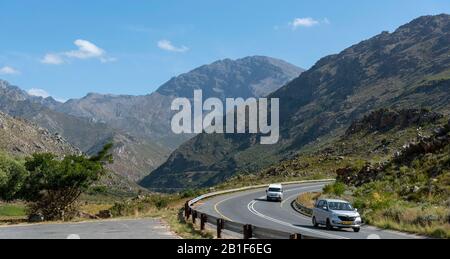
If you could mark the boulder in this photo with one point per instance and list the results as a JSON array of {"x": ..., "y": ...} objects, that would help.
[
  {"x": 105, "y": 214},
  {"x": 36, "y": 218}
]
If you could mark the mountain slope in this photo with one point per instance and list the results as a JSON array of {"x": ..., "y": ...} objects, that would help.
[
  {"x": 409, "y": 68},
  {"x": 21, "y": 138},
  {"x": 149, "y": 116},
  {"x": 84, "y": 133}
]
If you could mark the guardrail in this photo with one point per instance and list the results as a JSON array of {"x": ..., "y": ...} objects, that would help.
[
  {"x": 300, "y": 208},
  {"x": 247, "y": 231}
]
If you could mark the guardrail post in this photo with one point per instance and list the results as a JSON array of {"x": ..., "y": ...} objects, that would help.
[
  {"x": 248, "y": 231},
  {"x": 296, "y": 236},
  {"x": 186, "y": 210},
  {"x": 194, "y": 217},
  {"x": 220, "y": 226},
  {"x": 203, "y": 220}
]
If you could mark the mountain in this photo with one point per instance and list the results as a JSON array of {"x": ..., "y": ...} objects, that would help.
[
  {"x": 409, "y": 68},
  {"x": 21, "y": 138},
  {"x": 140, "y": 125},
  {"x": 149, "y": 116},
  {"x": 80, "y": 132},
  {"x": 84, "y": 133},
  {"x": 133, "y": 157},
  {"x": 255, "y": 76}
]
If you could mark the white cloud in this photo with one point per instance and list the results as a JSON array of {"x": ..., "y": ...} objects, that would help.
[
  {"x": 52, "y": 59},
  {"x": 7, "y": 70},
  {"x": 168, "y": 46},
  {"x": 44, "y": 94},
  {"x": 303, "y": 22},
  {"x": 86, "y": 50},
  {"x": 38, "y": 92}
]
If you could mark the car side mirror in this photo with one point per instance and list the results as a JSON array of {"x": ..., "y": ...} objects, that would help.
[
  {"x": 356, "y": 210},
  {"x": 325, "y": 208}
]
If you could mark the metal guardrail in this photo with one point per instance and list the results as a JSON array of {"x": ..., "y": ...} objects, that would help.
[
  {"x": 300, "y": 208},
  {"x": 247, "y": 231}
]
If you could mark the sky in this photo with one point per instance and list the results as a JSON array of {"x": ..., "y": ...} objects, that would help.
[{"x": 67, "y": 49}]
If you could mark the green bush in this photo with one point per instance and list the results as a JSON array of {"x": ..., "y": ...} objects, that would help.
[
  {"x": 190, "y": 193},
  {"x": 49, "y": 184},
  {"x": 337, "y": 189},
  {"x": 161, "y": 202},
  {"x": 440, "y": 233},
  {"x": 98, "y": 190},
  {"x": 12, "y": 176}
]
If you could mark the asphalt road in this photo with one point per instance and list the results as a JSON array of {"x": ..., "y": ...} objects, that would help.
[
  {"x": 112, "y": 229},
  {"x": 250, "y": 207}
]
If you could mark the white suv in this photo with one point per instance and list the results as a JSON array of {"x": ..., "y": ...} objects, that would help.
[
  {"x": 275, "y": 192},
  {"x": 336, "y": 213}
]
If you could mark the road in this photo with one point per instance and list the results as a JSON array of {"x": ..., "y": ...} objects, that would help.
[
  {"x": 250, "y": 207},
  {"x": 111, "y": 229}
]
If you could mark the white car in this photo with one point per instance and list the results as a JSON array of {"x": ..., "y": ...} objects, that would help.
[
  {"x": 275, "y": 192},
  {"x": 336, "y": 214}
]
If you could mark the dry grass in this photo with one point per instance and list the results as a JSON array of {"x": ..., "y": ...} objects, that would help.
[
  {"x": 94, "y": 209},
  {"x": 308, "y": 199},
  {"x": 430, "y": 221},
  {"x": 437, "y": 231}
]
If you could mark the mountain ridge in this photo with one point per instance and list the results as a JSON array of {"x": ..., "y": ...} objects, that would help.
[
  {"x": 149, "y": 116},
  {"x": 139, "y": 125},
  {"x": 406, "y": 68},
  {"x": 84, "y": 133}
]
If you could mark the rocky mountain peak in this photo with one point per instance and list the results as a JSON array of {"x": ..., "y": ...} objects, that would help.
[{"x": 254, "y": 76}]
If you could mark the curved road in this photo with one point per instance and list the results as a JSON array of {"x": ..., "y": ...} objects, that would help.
[{"x": 250, "y": 207}]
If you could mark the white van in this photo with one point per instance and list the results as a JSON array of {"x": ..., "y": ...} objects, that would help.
[{"x": 275, "y": 192}]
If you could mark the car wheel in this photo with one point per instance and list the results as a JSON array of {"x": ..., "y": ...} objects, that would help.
[
  {"x": 356, "y": 230},
  {"x": 315, "y": 222},
  {"x": 329, "y": 226}
]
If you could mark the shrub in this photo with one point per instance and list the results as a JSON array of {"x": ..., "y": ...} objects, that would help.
[
  {"x": 53, "y": 186},
  {"x": 190, "y": 193},
  {"x": 337, "y": 189},
  {"x": 12, "y": 176},
  {"x": 328, "y": 189},
  {"x": 98, "y": 190},
  {"x": 426, "y": 220},
  {"x": 440, "y": 233},
  {"x": 161, "y": 202}
]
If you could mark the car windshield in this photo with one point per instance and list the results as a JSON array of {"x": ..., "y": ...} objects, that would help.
[
  {"x": 342, "y": 206},
  {"x": 274, "y": 190}
]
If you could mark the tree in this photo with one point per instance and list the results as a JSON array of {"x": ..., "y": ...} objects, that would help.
[
  {"x": 12, "y": 176},
  {"x": 53, "y": 186}
]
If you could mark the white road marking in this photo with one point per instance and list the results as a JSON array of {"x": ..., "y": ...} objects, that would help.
[
  {"x": 73, "y": 236},
  {"x": 373, "y": 236},
  {"x": 216, "y": 206},
  {"x": 251, "y": 208}
]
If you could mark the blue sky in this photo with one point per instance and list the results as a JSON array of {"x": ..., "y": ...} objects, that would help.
[{"x": 70, "y": 48}]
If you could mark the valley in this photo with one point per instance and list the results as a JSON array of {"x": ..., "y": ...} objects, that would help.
[{"x": 375, "y": 117}]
